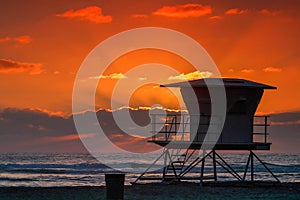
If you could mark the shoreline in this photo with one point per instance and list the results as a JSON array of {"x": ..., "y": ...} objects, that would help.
[{"x": 182, "y": 190}]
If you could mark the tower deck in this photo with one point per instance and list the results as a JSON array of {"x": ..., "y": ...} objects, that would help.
[
  {"x": 174, "y": 133},
  {"x": 198, "y": 145}
]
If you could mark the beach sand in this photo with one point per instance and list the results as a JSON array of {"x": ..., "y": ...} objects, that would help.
[{"x": 159, "y": 191}]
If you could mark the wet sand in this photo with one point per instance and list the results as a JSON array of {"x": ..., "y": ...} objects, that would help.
[{"x": 159, "y": 191}]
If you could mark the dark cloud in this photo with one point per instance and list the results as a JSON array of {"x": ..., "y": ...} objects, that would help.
[
  {"x": 8, "y": 66},
  {"x": 15, "y": 121},
  {"x": 285, "y": 138},
  {"x": 285, "y": 132},
  {"x": 285, "y": 118},
  {"x": 37, "y": 131},
  {"x": 34, "y": 130}
]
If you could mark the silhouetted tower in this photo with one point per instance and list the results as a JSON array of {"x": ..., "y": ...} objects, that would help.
[{"x": 241, "y": 129}]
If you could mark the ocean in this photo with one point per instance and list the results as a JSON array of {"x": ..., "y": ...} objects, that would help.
[{"x": 67, "y": 169}]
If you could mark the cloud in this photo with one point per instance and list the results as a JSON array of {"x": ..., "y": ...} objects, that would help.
[
  {"x": 268, "y": 12},
  {"x": 286, "y": 123},
  {"x": 191, "y": 76},
  {"x": 235, "y": 11},
  {"x": 132, "y": 144},
  {"x": 110, "y": 76},
  {"x": 284, "y": 131},
  {"x": 216, "y": 17},
  {"x": 247, "y": 71},
  {"x": 10, "y": 66},
  {"x": 92, "y": 14},
  {"x": 5, "y": 39},
  {"x": 286, "y": 118},
  {"x": 272, "y": 69},
  {"x": 139, "y": 16},
  {"x": 67, "y": 137},
  {"x": 49, "y": 112},
  {"x": 184, "y": 11},
  {"x": 24, "y": 39},
  {"x": 28, "y": 121},
  {"x": 35, "y": 131},
  {"x": 142, "y": 78}
]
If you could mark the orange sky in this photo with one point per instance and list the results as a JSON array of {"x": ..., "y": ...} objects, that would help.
[{"x": 42, "y": 45}]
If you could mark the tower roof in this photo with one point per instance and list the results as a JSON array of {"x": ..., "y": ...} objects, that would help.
[{"x": 218, "y": 82}]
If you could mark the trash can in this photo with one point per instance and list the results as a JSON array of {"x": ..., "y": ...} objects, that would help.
[{"x": 114, "y": 186}]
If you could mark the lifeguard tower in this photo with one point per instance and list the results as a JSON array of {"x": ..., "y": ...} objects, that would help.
[{"x": 242, "y": 131}]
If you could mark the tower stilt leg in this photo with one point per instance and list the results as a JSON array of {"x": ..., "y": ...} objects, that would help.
[
  {"x": 202, "y": 170},
  {"x": 252, "y": 166},
  {"x": 214, "y": 165}
]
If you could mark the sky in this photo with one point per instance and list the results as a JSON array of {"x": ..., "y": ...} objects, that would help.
[{"x": 43, "y": 43}]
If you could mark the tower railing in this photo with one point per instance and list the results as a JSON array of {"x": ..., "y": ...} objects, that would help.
[
  {"x": 260, "y": 127},
  {"x": 170, "y": 127},
  {"x": 177, "y": 127}
]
